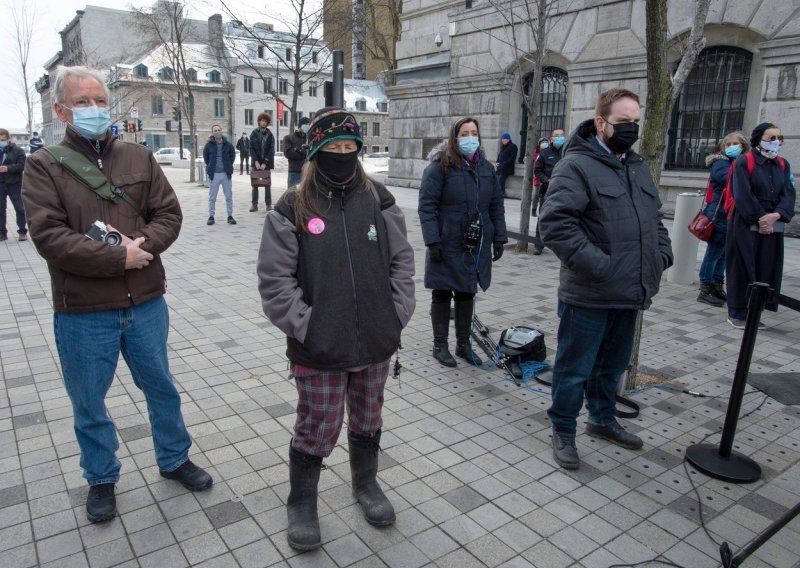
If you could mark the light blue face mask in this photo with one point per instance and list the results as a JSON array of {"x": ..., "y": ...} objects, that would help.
[
  {"x": 3, "y": 143},
  {"x": 558, "y": 141},
  {"x": 545, "y": 145},
  {"x": 468, "y": 145},
  {"x": 733, "y": 151},
  {"x": 91, "y": 122}
]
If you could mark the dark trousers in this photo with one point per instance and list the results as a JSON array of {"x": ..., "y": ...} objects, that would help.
[
  {"x": 244, "y": 162},
  {"x": 13, "y": 192}
]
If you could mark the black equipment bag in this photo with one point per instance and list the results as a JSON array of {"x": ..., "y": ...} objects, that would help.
[{"x": 523, "y": 343}]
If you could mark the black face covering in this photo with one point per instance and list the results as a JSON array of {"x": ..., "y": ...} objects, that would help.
[
  {"x": 625, "y": 135},
  {"x": 337, "y": 166}
]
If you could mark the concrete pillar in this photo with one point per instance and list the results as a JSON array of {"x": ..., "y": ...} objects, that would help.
[{"x": 684, "y": 244}]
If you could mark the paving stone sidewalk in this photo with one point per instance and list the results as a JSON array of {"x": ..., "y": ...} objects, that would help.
[{"x": 466, "y": 462}]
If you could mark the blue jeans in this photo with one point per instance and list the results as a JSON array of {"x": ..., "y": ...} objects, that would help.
[
  {"x": 89, "y": 345},
  {"x": 14, "y": 193},
  {"x": 712, "y": 269},
  {"x": 594, "y": 349},
  {"x": 294, "y": 179},
  {"x": 220, "y": 178}
]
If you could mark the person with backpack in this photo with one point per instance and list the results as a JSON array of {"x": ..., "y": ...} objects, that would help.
[
  {"x": 763, "y": 197},
  {"x": 336, "y": 275},
  {"x": 712, "y": 269}
]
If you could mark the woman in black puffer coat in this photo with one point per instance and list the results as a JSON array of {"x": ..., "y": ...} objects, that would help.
[{"x": 463, "y": 225}]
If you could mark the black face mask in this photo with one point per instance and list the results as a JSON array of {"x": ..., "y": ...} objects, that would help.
[
  {"x": 625, "y": 135},
  {"x": 337, "y": 166}
]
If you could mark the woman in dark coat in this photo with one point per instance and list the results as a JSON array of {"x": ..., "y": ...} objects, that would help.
[
  {"x": 712, "y": 269},
  {"x": 464, "y": 229},
  {"x": 764, "y": 202}
]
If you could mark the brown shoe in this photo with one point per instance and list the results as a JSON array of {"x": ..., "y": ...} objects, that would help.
[
  {"x": 23, "y": 236},
  {"x": 254, "y": 207},
  {"x": 3, "y": 237},
  {"x": 269, "y": 206}
]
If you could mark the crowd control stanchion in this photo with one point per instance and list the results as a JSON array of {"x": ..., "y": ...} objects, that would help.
[
  {"x": 723, "y": 463},
  {"x": 729, "y": 560},
  {"x": 684, "y": 243}
]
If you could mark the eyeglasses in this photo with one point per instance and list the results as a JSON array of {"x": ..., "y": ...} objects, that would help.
[{"x": 779, "y": 138}]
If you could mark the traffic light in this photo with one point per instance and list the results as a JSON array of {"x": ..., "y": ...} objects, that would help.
[
  {"x": 168, "y": 126},
  {"x": 131, "y": 126},
  {"x": 138, "y": 125},
  {"x": 176, "y": 113},
  {"x": 124, "y": 126}
]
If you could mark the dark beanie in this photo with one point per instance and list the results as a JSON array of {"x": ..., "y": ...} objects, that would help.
[
  {"x": 304, "y": 120},
  {"x": 758, "y": 132},
  {"x": 332, "y": 123}
]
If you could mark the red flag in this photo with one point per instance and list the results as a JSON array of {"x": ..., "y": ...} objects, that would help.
[{"x": 280, "y": 109}]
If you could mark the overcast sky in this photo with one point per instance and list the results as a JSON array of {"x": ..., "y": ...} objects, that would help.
[{"x": 53, "y": 15}]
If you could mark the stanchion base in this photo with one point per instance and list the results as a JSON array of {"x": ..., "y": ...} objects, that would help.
[{"x": 737, "y": 468}]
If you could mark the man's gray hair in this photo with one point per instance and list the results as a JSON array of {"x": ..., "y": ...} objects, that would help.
[{"x": 78, "y": 71}]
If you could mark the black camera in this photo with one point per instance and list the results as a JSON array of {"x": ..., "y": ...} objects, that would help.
[
  {"x": 472, "y": 235},
  {"x": 98, "y": 231}
]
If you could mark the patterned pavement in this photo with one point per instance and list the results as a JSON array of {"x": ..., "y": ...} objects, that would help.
[{"x": 467, "y": 460}]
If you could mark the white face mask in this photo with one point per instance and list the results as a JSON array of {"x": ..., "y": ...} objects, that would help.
[{"x": 305, "y": 128}]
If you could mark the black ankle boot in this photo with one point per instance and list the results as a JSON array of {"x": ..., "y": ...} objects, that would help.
[
  {"x": 719, "y": 290},
  {"x": 707, "y": 295},
  {"x": 101, "y": 503},
  {"x": 301, "y": 506},
  {"x": 463, "y": 329},
  {"x": 440, "y": 320},
  {"x": 378, "y": 511}
]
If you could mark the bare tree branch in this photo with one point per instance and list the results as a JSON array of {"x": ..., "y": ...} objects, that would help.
[{"x": 23, "y": 18}]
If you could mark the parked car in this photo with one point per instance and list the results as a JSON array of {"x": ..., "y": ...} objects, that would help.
[{"x": 169, "y": 155}]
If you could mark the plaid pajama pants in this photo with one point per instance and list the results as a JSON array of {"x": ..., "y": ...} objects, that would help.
[{"x": 320, "y": 409}]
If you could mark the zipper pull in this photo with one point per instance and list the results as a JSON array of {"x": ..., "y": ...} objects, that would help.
[{"x": 99, "y": 163}]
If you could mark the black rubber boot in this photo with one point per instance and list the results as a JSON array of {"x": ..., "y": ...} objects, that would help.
[
  {"x": 301, "y": 506},
  {"x": 463, "y": 328},
  {"x": 707, "y": 296},
  {"x": 719, "y": 290},
  {"x": 378, "y": 511},
  {"x": 440, "y": 320}
]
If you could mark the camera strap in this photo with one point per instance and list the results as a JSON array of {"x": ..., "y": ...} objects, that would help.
[{"x": 83, "y": 170}]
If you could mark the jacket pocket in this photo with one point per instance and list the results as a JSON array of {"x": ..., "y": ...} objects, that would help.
[{"x": 134, "y": 185}]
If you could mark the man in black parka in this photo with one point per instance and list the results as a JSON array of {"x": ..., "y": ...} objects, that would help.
[{"x": 602, "y": 219}]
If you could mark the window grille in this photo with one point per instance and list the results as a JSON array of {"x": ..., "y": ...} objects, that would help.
[
  {"x": 552, "y": 105},
  {"x": 711, "y": 104}
]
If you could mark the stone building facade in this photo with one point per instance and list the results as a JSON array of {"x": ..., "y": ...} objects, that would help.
[{"x": 747, "y": 74}]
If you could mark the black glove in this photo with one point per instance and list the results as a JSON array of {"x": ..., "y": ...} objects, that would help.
[
  {"x": 497, "y": 249},
  {"x": 436, "y": 253}
]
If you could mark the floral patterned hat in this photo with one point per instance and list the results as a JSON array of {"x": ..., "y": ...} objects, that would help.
[{"x": 332, "y": 123}]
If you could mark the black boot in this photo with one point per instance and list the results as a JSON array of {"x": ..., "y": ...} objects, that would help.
[
  {"x": 719, "y": 290},
  {"x": 440, "y": 319},
  {"x": 707, "y": 295},
  {"x": 301, "y": 506},
  {"x": 378, "y": 511},
  {"x": 463, "y": 328}
]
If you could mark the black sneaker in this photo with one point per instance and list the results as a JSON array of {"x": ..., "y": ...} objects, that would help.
[
  {"x": 564, "y": 451},
  {"x": 101, "y": 503},
  {"x": 210, "y": 221},
  {"x": 615, "y": 434},
  {"x": 191, "y": 477},
  {"x": 231, "y": 221}
]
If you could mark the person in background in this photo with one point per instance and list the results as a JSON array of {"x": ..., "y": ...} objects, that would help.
[
  {"x": 35, "y": 143},
  {"x": 12, "y": 163},
  {"x": 506, "y": 159},
  {"x": 602, "y": 218},
  {"x": 243, "y": 145},
  {"x": 295, "y": 150},
  {"x": 712, "y": 269},
  {"x": 764, "y": 198},
  {"x": 219, "y": 156},
  {"x": 262, "y": 154},
  {"x": 464, "y": 228},
  {"x": 336, "y": 275},
  {"x": 550, "y": 153},
  {"x": 108, "y": 299}
]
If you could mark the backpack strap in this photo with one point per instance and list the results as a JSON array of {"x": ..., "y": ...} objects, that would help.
[{"x": 84, "y": 171}]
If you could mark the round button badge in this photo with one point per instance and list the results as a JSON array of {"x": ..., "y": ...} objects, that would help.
[{"x": 316, "y": 226}]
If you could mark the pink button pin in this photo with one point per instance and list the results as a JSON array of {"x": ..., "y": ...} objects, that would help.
[{"x": 316, "y": 226}]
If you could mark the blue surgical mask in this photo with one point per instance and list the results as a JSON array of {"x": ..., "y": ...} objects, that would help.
[
  {"x": 545, "y": 145},
  {"x": 733, "y": 151},
  {"x": 3, "y": 144},
  {"x": 558, "y": 141},
  {"x": 91, "y": 122},
  {"x": 468, "y": 144},
  {"x": 773, "y": 146}
]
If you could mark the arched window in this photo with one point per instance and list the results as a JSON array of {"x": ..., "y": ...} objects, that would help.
[
  {"x": 552, "y": 105},
  {"x": 711, "y": 104},
  {"x": 140, "y": 70},
  {"x": 166, "y": 74},
  {"x": 214, "y": 76}
]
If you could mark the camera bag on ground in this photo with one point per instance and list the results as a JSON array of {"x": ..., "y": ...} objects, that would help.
[
  {"x": 84, "y": 171},
  {"x": 523, "y": 343}
]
